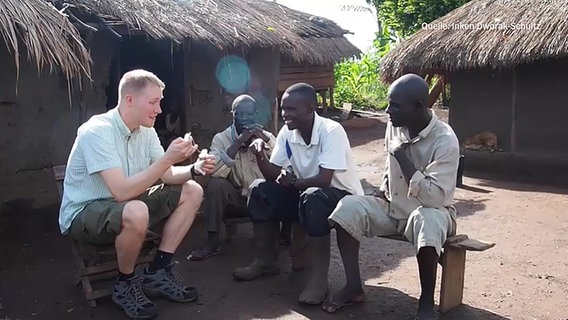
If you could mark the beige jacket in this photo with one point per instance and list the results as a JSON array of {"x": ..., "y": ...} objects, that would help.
[{"x": 242, "y": 170}]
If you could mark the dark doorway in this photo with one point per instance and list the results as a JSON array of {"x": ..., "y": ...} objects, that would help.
[{"x": 165, "y": 59}]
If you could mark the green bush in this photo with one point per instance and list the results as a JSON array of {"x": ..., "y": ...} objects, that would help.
[{"x": 357, "y": 82}]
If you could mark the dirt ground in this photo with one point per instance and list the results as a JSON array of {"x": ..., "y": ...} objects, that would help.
[{"x": 525, "y": 276}]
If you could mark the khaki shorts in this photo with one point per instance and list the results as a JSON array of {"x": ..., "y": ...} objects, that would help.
[
  {"x": 368, "y": 216},
  {"x": 100, "y": 221}
]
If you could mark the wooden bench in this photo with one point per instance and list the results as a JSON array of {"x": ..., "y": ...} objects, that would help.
[
  {"x": 452, "y": 262},
  {"x": 95, "y": 264},
  {"x": 453, "y": 267}
]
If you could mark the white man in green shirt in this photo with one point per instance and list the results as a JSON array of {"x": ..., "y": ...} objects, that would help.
[{"x": 110, "y": 194}]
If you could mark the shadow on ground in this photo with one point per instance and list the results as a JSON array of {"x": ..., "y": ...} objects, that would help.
[
  {"x": 515, "y": 186},
  {"x": 36, "y": 275}
]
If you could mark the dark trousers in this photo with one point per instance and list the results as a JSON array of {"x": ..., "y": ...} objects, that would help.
[
  {"x": 270, "y": 201},
  {"x": 222, "y": 198}
]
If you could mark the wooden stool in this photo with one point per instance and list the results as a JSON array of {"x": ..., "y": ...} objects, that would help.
[{"x": 452, "y": 261}]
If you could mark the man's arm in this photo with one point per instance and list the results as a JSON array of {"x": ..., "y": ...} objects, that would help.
[
  {"x": 407, "y": 167},
  {"x": 126, "y": 188},
  {"x": 224, "y": 164},
  {"x": 384, "y": 187},
  {"x": 321, "y": 180},
  {"x": 431, "y": 186},
  {"x": 176, "y": 175},
  {"x": 269, "y": 170}
]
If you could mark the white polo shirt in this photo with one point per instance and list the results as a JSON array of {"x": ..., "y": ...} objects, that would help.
[{"x": 329, "y": 148}]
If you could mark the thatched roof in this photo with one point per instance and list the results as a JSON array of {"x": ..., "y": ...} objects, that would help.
[
  {"x": 48, "y": 36},
  {"x": 484, "y": 33},
  {"x": 226, "y": 23}
]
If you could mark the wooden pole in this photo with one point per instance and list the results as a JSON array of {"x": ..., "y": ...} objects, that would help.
[
  {"x": 444, "y": 95},
  {"x": 275, "y": 117},
  {"x": 324, "y": 100},
  {"x": 435, "y": 92},
  {"x": 513, "y": 140}
]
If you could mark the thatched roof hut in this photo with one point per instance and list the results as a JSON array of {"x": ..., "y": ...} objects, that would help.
[
  {"x": 484, "y": 33},
  {"x": 224, "y": 23},
  {"x": 48, "y": 36},
  {"x": 507, "y": 65},
  {"x": 48, "y": 28}
]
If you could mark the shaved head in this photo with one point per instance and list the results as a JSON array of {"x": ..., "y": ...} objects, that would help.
[
  {"x": 243, "y": 100},
  {"x": 411, "y": 89},
  {"x": 244, "y": 112},
  {"x": 408, "y": 99}
]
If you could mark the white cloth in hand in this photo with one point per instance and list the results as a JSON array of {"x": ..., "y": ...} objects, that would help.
[{"x": 198, "y": 165}]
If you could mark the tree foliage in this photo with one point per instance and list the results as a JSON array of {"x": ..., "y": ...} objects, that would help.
[{"x": 399, "y": 19}]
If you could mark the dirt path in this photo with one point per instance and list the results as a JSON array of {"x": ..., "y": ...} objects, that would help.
[{"x": 524, "y": 277}]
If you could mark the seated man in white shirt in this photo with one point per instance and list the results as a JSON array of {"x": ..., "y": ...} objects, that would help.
[
  {"x": 235, "y": 170},
  {"x": 415, "y": 199},
  {"x": 318, "y": 152}
]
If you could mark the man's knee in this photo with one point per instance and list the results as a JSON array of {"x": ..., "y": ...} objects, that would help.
[
  {"x": 263, "y": 200},
  {"x": 428, "y": 227},
  {"x": 135, "y": 216},
  {"x": 351, "y": 215},
  {"x": 191, "y": 191},
  {"x": 429, "y": 218},
  {"x": 349, "y": 208},
  {"x": 314, "y": 211},
  {"x": 258, "y": 206}
]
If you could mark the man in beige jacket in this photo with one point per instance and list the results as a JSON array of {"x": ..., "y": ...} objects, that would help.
[{"x": 236, "y": 169}]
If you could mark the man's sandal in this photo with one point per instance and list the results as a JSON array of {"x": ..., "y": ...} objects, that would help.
[
  {"x": 331, "y": 306},
  {"x": 204, "y": 253}
]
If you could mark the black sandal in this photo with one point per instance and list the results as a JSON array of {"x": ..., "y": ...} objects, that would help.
[{"x": 204, "y": 253}]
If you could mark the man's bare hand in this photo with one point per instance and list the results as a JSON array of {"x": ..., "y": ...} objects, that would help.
[
  {"x": 252, "y": 132},
  {"x": 209, "y": 162},
  {"x": 285, "y": 178},
  {"x": 258, "y": 132},
  {"x": 179, "y": 150},
  {"x": 258, "y": 146},
  {"x": 397, "y": 145},
  {"x": 246, "y": 135}
]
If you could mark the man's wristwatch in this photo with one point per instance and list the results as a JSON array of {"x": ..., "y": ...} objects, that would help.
[{"x": 193, "y": 173}]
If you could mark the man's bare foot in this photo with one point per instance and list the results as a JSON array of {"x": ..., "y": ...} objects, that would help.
[{"x": 343, "y": 299}]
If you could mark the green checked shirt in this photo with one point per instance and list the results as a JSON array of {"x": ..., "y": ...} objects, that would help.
[{"x": 103, "y": 142}]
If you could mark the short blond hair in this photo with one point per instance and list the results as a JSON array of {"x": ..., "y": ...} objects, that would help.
[{"x": 136, "y": 80}]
